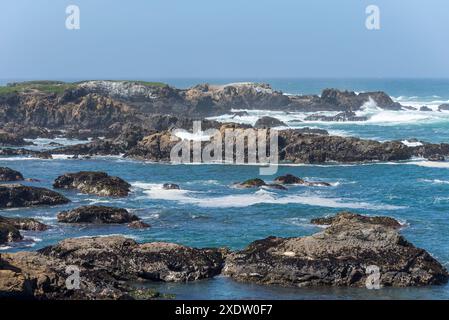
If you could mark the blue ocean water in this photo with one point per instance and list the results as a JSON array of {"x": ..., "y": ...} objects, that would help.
[{"x": 209, "y": 211}]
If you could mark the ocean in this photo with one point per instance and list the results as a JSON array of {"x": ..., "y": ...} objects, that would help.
[{"x": 209, "y": 211}]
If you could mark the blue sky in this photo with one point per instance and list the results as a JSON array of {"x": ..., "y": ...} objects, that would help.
[{"x": 156, "y": 39}]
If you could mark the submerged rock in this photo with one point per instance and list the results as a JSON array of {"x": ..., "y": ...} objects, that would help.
[
  {"x": 99, "y": 183},
  {"x": 8, "y": 174},
  {"x": 97, "y": 215},
  {"x": 341, "y": 255},
  {"x": 17, "y": 195}
]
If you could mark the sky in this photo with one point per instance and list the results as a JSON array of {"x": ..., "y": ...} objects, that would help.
[{"x": 157, "y": 39}]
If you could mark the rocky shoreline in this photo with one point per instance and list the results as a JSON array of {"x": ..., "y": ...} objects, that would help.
[
  {"x": 341, "y": 255},
  {"x": 136, "y": 120}
]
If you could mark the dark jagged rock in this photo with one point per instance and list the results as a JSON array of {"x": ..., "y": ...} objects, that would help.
[
  {"x": 340, "y": 117},
  {"x": 9, "y": 233},
  {"x": 97, "y": 215},
  {"x": 9, "y": 152},
  {"x": 99, "y": 183},
  {"x": 349, "y": 216},
  {"x": 170, "y": 186},
  {"x": 339, "y": 256},
  {"x": 105, "y": 265},
  {"x": 156, "y": 147},
  {"x": 97, "y": 147},
  {"x": 289, "y": 179},
  {"x": 425, "y": 108},
  {"x": 430, "y": 150},
  {"x": 252, "y": 183},
  {"x": 10, "y": 228},
  {"x": 315, "y": 131},
  {"x": 443, "y": 107},
  {"x": 9, "y": 139},
  {"x": 436, "y": 157},
  {"x": 269, "y": 122},
  {"x": 299, "y": 148},
  {"x": 240, "y": 114},
  {"x": 8, "y": 174},
  {"x": 139, "y": 225},
  {"x": 17, "y": 195},
  {"x": 29, "y": 224}
]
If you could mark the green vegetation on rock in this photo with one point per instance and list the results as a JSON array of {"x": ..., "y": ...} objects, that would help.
[{"x": 46, "y": 86}]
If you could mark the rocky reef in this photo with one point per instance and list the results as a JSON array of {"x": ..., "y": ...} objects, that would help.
[
  {"x": 17, "y": 195},
  {"x": 91, "y": 182},
  {"x": 97, "y": 215},
  {"x": 10, "y": 228},
  {"x": 105, "y": 265},
  {"x": 8, "y": 174},
  {"x": 341, "y": 255}
]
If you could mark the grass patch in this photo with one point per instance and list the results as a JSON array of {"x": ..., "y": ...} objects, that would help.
[{"x": 57, "y": 87}]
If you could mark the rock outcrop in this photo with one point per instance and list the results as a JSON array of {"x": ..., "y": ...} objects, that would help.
[
  {"x": 300, "y": 148},
  {"x": 105, "y": 264},
  {"x": 97, "y": 215},
  {"x": 91, "y": 182},
  {"x": 10, "y": 228},
  {"x": 8, "y": 174},
  {"x": 170, "y": 186},
  {"x": 10, "y": 139},
  {"x": 291, "y": 179},
  {"x": 341, "y": 255},
  {"x": 9, "y": 152},
  {"x": 258, "y": 183},
  {"x": 443, "y": 107},
  {"x": 339, "y": 117},
  {"x": 17, "y": 195},
  {"x": 269, "y": 122}
]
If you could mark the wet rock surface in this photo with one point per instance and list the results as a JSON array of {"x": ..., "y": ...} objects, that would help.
[
  {"x": 92, "y": 182},
  {"x": 106, "y": 265},
  {"x": 97, "y": 215},
  {"x": 338, "y": 256},
  {"x": 269, "y": 122},
  {"x": 17, "y": 195},
  {"x": 8, "y": 174},
  {"x": 10, "y": 228}
]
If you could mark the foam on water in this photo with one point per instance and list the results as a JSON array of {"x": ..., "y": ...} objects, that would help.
[{"x": 262, "y": 196}]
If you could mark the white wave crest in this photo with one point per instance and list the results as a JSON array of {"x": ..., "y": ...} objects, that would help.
[{"x": 259, "y": 197}]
